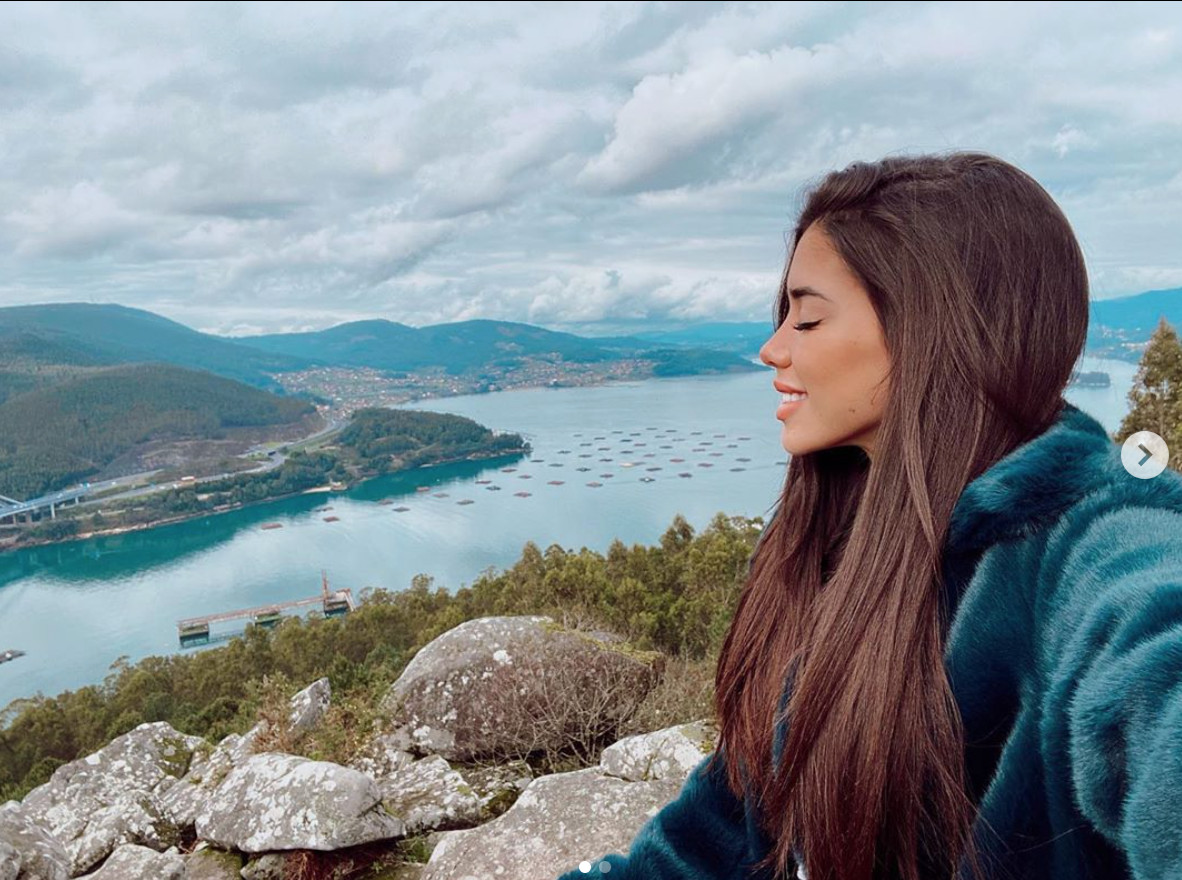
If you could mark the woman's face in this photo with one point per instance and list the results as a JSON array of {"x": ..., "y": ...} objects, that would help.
[{"x": 839, "y": 358}]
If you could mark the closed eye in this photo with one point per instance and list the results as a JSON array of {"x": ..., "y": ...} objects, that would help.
[{"x": 808, "y": 325}]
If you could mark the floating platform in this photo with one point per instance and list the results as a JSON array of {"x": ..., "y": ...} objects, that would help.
[{"x": 193, "y": 631}]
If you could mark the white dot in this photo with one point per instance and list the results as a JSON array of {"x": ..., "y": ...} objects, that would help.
[
  {"x": 585, "y": 867},
  {"x": 605, "y": 866}
]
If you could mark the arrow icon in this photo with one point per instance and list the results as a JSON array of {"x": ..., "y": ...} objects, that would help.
[{"x": 1148, "y": 454}]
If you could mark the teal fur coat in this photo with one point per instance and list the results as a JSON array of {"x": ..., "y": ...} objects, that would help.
[{"x": 1064, "y": 650}]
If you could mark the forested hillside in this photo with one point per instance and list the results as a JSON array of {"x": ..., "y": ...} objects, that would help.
[
  {"x": 113, "y": 334},
  {"x": 58, "y": 435}
]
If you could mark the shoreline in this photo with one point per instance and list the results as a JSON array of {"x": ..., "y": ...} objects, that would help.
[{"x": 230, "y": 508}]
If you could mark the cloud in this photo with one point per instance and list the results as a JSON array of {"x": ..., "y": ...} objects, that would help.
[{"x": 241, "y": 167}]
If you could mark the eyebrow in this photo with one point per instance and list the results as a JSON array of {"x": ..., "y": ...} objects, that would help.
[{"x": 801, "y": 292}]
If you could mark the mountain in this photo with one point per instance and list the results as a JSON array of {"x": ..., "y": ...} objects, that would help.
[
  {"x": 744, "y": 338},
  {"x": 480, "y": 346},
  {"x": 1139, "y": 313},
  {"x": 55, "y": 436},
  {"x": 457, "y": 347},
  {"x": 85, "y": 334}
]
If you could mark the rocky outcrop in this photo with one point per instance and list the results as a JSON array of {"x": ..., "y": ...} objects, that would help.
[
  {"x": 209, "y": 767},
  {"x": 503, "y": 687},
  {"x": 114, "y": 796},
  {"x": 276, "y": 801},
  {"x": 444, "y": 773},
  {"x": 37, "y": 852},
  {"x": 565, "y": 818},
  {"x": 131, "y": 862}
]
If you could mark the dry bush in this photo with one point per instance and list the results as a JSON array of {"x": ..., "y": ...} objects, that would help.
[
  {"x": 684, "y": 693},
  {"x": 557, "y": 701}
]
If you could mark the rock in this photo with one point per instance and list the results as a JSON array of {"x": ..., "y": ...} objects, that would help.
[
  {"x": 39, "y": 854},
  {"x": 270, "y": 866},
  {"x": 429, "y": 795},
  {"x": 498, "y": 785},
  {"x": 381, "y": 757},
  {"x": 10, "y": 862},
  {"x": 666, "y": 754},
  {"x": 309, "y": 705},
  {"x": 209, "y": 767},
  {"x": 500, "y": 687},
  {"x": 208, "y": 863},
  {"x": 558, "y": 821},
  {"x": 113, "y": 796},
  {"x": 132, "y": 862},
  {"x": 276, "y": 802}
]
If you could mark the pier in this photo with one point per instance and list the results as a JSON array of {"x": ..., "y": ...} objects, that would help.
[{"x": 195, "y": 630}]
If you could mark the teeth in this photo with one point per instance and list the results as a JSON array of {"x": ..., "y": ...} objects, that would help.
[{"x": 785, "y": 398}]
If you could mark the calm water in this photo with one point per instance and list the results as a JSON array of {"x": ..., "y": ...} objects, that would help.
[{"x": 77, "y": 607}]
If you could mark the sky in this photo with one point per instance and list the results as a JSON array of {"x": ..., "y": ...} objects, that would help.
[{"x": 257, "y": 168}]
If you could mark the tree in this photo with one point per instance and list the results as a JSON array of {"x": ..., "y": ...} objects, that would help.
[{"x": 1156, "y": 396}]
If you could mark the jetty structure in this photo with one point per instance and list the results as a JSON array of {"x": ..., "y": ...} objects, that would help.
[{"x": 193, "y": 631}]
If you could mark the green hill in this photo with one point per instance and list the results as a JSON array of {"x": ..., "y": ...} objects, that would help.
[
  {"x": 1139, "y": 313},
  {"x": 480, "y": 346},
  {"x": 467, "y": 345},
  {"x": 88, "y": 334},
  {"x": 55, "y": 436}
]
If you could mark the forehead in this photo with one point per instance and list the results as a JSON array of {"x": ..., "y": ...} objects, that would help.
[{"x": 817, "y": 271}]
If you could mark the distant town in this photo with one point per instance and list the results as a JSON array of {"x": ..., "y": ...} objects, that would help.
[{"x": 350, "y": 388}]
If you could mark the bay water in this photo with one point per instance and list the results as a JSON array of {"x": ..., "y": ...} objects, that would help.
[{"x": 76, "y": 607}]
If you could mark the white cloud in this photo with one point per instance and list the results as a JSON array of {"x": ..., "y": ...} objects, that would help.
[{"x": 244, "y": 167}]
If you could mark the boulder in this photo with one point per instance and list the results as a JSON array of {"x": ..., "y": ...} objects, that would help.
[
  {"x": 566, "y": 818},
  {"x": 504, "y": 687},
  {"x": 269, "y": 866},
  {"x": 182, "y": 802},
  {"x": 666, "y": 754},
  {"x": 113, "y": 796},
  {"x": 207, "y": 863},
  {"x": 559, "y": 821},
  {"x": 37, "y": 853},
  {"x": 277, "y": 802},
  {"x": 132, "y": 862},
  {"x": 429, "y": 795}
]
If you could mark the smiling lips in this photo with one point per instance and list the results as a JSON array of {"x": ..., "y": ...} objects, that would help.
[{"x": 790, "y": 398}]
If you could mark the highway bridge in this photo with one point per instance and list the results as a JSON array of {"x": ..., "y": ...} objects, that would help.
[{"x": 11, "y": 509}]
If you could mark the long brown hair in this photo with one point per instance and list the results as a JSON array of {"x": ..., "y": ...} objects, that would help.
[{"x": 981, "y": 290}]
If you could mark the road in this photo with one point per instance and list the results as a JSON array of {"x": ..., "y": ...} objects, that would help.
[{"x": 274, "y": 459}]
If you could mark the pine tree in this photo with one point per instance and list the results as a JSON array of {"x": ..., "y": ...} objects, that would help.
[{"x": 1156, "y": 396}]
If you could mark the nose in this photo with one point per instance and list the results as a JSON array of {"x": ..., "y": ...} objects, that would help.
[{"x": 774, "y": 354}]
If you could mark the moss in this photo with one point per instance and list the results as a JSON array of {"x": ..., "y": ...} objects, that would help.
[
  {"x": 175, "y": 756},
  {"x": 501, "y": 802},
  {"x": 623, "y": 648}
]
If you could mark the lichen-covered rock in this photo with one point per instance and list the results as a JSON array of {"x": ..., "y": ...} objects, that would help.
[
  {"x": 498, "y": 785},
  {"x": 207, "y": 863},
  {"x": 558, "y": 821},
  {"x": 183, "y": 801},
  {"x": 429, "y": 795},
  {"x": 665, "y": 754},
  {"x": 10, "y": 862},
  {"x": 382, "y": 757},
  {"x": 500, "y": 687},
  {"x": 309, "y": 705},
  {"x": 132, "y": 862},
  {"x": 275, "y": 802},
  {"x": 210, "y": 766},
  {"x": 39, "y": 853},
  {"x": 269, "y": 866},
  {"x": 113, "y": 796}
]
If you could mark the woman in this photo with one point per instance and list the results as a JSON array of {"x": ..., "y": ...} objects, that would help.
[{"x": 967, "y": 608}]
